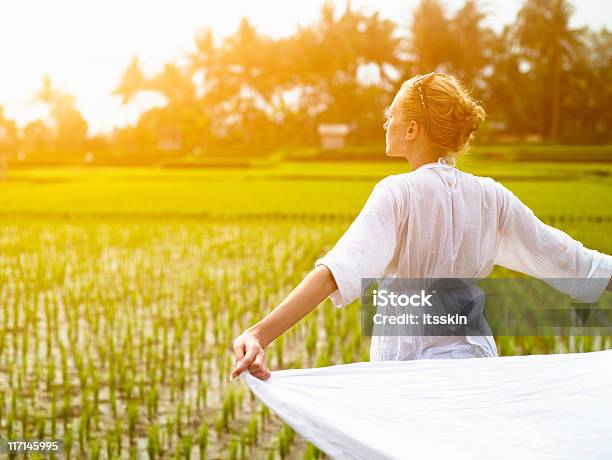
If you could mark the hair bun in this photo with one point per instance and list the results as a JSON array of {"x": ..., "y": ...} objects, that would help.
[
  {"x": 450, "y": 112},
  {"x": 467, "y": 116}
]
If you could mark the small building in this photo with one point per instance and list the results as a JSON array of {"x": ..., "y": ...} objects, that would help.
[
  {"x": 169, "y": 144},
  {"x": 333, "y": 135}
]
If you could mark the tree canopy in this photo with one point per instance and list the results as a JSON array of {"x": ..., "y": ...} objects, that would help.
[{"x": 537, "y": 76}]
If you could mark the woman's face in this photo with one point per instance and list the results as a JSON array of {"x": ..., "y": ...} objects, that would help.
[{"x": 395, "y": 127}]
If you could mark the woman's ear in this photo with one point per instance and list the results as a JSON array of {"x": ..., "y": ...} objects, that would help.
[{"x": 412, "y": 130}]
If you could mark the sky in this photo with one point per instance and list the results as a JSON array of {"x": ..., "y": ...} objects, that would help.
[{"x": 85, "y": 45}]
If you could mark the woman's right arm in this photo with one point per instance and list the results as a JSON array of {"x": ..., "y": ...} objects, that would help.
[
  {"x": 528, "y": 245},
  {"x": 249, "y": 346},
  {"x": 364, "y": 251}
]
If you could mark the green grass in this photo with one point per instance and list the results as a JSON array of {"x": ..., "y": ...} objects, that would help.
[
  {"x": 287, "y": 188},
  {"x": 119, "y": 284}
]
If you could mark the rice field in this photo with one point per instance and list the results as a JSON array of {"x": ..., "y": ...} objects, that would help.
[{"x": 121, "y": 292}]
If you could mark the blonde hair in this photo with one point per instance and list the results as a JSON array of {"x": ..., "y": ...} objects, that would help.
[{"x": 445, "y": 109}]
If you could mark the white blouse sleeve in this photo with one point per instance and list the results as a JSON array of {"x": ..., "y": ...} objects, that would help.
[
  {"x": 367, "y": 246},
  {"x": 528, "y": 245}
]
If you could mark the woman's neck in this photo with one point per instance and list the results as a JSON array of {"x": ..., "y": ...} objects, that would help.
[
  {"x": 422, "y": 160},
  {"x": 424, "y": 153}
]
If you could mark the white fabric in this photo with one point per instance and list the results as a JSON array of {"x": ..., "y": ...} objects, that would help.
[
  {"x": 440, "y": 222},
  {"x": 516, "y": 407}
]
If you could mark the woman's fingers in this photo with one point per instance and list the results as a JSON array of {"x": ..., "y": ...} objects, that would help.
[
  {"x": 259, "y": 368},
  {"x": 239, "y": 351},
  {"x": 246, "y": 361},
  {"x": 258, "y": 362},
  {"x": 250, "y": 355}
]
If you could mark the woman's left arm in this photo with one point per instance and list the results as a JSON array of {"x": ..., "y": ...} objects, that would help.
[{"x": 528, "y": 245}]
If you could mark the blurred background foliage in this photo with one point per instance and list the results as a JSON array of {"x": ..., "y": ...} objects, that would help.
[{"x": 539, "y": 80}]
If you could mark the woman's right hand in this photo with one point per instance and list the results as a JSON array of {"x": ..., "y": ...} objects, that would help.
[
  {"x": 250, "y": 355},
  {"x": 249, "y": 346}
]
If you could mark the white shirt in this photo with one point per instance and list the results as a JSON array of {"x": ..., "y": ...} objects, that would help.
[{"x": 440, "y": 222}]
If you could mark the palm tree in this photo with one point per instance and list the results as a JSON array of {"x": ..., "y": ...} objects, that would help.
[
  {"x": 205, "y": 64},
  {"x": 131, "y": 83},
  {"x": 242, "y": 60},
  {"x": 544, "y": 34},
  {"x": 68, "y": 126},
  {"x": 472, "y": 42},
  {"x": 174, "y": 83},
  {"x": 431, "y": 40},
  {"x": 380, "y": 46},
  {"x": 509, "y": 93}
]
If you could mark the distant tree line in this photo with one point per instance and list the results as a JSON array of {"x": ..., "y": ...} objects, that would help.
[{"x": 537, "y": 76}]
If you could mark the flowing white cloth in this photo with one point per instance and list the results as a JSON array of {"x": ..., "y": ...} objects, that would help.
[
  {"x": 440, "y": 222},
  {"x": 517, "y": 407}
]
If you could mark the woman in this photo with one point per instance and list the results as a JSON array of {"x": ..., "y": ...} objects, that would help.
[{"x": 433, "y": 222}]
